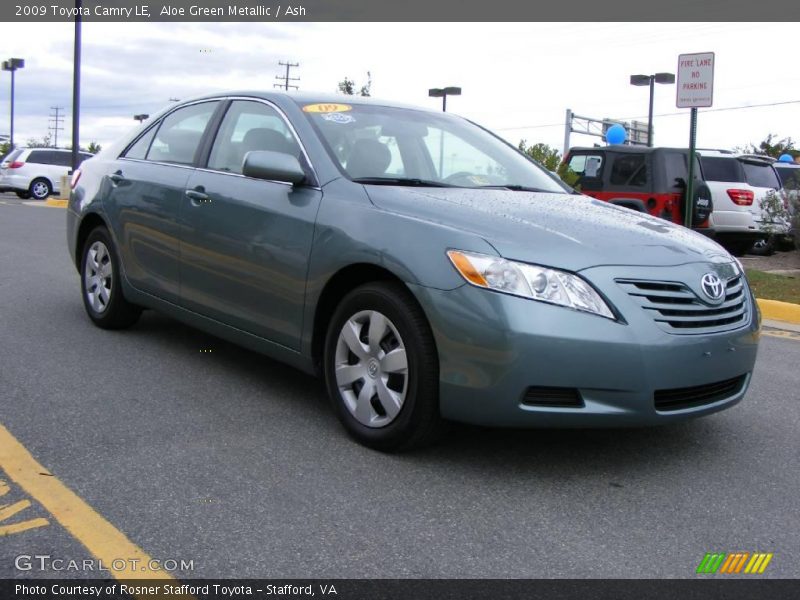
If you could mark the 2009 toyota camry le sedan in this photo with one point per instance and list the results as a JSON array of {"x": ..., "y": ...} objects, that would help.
[{"x": 427, "y": 269}]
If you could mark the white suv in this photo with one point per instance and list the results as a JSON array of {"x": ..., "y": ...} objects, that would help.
[
  {"x": 36, "y": 172},
  {"x": 739, "y": 186}
]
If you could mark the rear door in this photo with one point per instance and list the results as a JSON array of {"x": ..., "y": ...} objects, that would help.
[
  {"x": 146, "y": 186},
  {"x": 245, "y": 242}
]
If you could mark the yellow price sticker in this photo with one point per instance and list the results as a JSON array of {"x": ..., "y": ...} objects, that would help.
[{"x": 326, "y": 108}]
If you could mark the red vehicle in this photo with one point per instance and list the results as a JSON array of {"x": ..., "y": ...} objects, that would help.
[{"x": 651, "y": 180}]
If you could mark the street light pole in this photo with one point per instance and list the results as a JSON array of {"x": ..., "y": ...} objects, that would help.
[
  {"x": 443, "y": 93},
  {"x": 12, "y": 64},
  {"x": 76, "y": 86},
  {"x": 651, "y": 80}
]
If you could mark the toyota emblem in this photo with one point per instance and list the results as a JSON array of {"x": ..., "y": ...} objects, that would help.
[{"x": 712, "y": 286}]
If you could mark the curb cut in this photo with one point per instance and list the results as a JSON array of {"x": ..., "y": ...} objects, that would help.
[{"x": 779, "y": 311}]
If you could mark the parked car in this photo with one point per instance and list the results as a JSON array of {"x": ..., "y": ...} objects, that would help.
[
  {"x": 426, "y": 268},
  {"x": 740, "y": 186},
  {"x": 649, "y": 180},
  {"x": 789, "y": 174},
  {"x": 36, "y": 172}
]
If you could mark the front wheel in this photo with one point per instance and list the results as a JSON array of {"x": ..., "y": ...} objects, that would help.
[
  {"x": 100, "y": 284},
  {"x": 382, "y": 369}
]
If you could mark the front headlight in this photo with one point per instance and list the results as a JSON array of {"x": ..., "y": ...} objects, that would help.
[{"x": 529, "y": 281}]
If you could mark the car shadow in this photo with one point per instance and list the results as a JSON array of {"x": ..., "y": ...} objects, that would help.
[{"x": 557, "y": 453}]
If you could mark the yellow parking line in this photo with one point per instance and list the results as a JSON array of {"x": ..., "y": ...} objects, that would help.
[
  {"x": 23, "y": 526},
  {"x": 104, "y": 541},
  {"x": 787, "y": 335}
]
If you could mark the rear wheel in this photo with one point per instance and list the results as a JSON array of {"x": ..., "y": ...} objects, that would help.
[
  {"x": 40, "y": 189},
  {"x": 765, "y": 247},
  {"x": 382, "y": 369},
  {"x": 100, "y": 284}
]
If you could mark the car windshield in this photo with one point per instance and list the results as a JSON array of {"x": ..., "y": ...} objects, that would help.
[{"x": 399, "y": 146}]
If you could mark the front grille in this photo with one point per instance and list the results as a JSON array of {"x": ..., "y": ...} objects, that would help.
[
  {"x": 677, "y": 309},
  {"x": 556, "y": 397},
  {"x": 691, "y": 397}
]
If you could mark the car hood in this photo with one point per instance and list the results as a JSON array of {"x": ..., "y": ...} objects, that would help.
[{"x": 567, "y": 231}]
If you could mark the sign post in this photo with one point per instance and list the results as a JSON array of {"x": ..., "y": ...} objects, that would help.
[{"x": 695, "y": 90}]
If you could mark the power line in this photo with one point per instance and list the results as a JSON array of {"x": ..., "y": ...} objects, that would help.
[
  {"x": 286, "y": 78},
  {"x": 55, "y": 123},
  {"x": 671, "y": 114}
]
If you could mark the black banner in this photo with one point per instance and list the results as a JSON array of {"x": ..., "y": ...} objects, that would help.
[
  {"x": 408, "y": 10},
  {"x": 402, "y": 589}
]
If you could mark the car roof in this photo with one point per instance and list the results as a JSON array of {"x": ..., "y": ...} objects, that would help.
[
  {"x": 626, "y": 149},
  {"x": 305, "y": 97},
  {"x": 49, "y": 149}
]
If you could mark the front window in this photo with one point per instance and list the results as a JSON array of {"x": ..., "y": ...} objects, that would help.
[{"x": 380, "y": 144}]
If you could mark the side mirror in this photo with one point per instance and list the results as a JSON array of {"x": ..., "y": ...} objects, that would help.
[{"x": 273, "y": 166}]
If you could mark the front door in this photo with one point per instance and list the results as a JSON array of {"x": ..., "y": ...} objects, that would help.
[{"x": 245, "y": 242}]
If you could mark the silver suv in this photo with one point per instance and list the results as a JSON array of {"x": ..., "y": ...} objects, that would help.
[
  {"x": 740, "y": 187},
  {"x": 36, "y": 172}
]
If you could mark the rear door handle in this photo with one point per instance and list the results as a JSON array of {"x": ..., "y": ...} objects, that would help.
[
  {"x": 116, "y": 177},
  {"x": 197, "y": 197}
]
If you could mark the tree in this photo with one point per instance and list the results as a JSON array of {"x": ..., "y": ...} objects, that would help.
[
  {"x": 44, "y": 142},
  {"x": 348, "y": 87},
  {"x": 94, "y": 148},
  {"x": 771, "y": 146},
  {"x": 550, "y": 159},
  {"x": 5, "y": 148}
]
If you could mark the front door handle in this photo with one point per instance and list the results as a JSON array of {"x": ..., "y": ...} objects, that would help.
[{"x": 197, "y": 197}]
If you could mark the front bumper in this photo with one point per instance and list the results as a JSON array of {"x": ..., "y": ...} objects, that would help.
[{"x": 493, "y": 347}]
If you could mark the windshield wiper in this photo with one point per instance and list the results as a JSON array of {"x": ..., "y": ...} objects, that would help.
[
  {"x": 407, "y": 181},
  {"x": 517, "y": 188}
]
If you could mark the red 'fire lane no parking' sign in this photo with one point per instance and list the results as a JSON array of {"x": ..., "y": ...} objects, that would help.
[{"x": 695, "y": 87}]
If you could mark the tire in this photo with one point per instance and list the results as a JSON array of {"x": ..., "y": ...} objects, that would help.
[
  {"x": 402, "y": 409},
  {"x": 738, "y": 248},
  {"x": 23, "y": 195},
  {"x": 40, "y": 189},
  {"x": 763, "y": 247},
  {"x": 100, "y": 271}
]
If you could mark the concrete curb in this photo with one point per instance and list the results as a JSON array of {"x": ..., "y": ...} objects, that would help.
[{"x": 779, "y": 311}]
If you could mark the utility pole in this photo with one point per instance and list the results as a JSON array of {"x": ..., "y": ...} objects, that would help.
[
  {"x": 76, "y": 87},
  {"x": 286, "y": 79},
  {"x": 55, "y": 123}
]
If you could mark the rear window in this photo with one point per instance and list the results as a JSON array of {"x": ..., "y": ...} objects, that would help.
[
  {"x": 12, "y": 156},
  {"x": 629, "y": 170},
  {"x": 759, "y": 175},
  {"x": 718, "y": 168}
]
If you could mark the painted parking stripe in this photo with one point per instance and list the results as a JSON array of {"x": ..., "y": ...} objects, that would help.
[{"x": 104, "y": 541}]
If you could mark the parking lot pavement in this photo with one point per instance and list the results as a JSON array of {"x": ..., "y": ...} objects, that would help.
[{"x": 235, "y": 462}]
